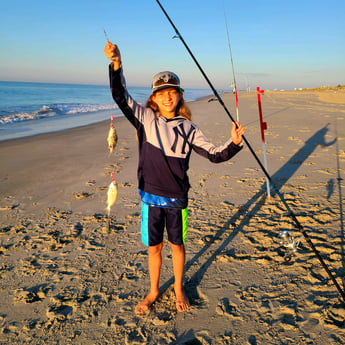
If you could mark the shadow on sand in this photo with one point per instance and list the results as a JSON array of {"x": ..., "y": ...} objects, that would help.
[{"x": 249, "y": 210}]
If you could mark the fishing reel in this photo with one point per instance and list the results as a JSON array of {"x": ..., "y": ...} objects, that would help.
[{"x": 290, "y": 244}]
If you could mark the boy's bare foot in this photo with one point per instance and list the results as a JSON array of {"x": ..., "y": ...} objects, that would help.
[
  {"x": 146, "y": 303},
  {"x": 182, "y": 301}
]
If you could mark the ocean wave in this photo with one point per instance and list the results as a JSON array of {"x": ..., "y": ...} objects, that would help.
[
  {"x": 27, "y": 102},
  {"x": 22, "y": 114}
]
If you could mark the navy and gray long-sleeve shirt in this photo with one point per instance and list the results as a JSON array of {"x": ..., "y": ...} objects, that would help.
[{"x": 165, "y": 145}]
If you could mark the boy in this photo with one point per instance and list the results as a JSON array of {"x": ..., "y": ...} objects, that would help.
[{"x": 166, "y": 138}]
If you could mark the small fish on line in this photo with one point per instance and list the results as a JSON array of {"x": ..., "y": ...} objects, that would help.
[
  {"x": 112, "y": 195},
  {"x": 111, "y": 198},
  {"x": 112, "y": 136}
]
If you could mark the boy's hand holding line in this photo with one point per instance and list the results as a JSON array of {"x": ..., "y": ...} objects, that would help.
[
  {"x": 112, "y": 52},
  {"x": 237, "y": 130}
]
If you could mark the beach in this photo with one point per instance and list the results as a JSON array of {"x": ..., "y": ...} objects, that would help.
[{"x": 64, "y": 279}]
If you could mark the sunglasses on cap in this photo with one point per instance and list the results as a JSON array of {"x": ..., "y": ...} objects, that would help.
[{"x": 164, "y": 80}]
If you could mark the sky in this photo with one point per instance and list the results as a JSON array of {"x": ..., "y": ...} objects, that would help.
[{"x": 274, "y": 44}]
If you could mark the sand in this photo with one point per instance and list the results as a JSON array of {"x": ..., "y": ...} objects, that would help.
[{"x": 65, "y": 280}]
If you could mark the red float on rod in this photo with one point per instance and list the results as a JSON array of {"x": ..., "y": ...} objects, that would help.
[{"x": 263, "y": 126}]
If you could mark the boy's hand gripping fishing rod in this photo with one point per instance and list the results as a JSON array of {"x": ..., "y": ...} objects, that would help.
[{"x": 291, "y": 214}]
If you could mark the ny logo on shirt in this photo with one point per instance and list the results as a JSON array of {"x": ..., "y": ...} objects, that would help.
[{"x": 180, "y": 133}]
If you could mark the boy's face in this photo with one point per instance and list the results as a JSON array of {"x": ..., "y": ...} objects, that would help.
[{"x": 167, "y": 101}]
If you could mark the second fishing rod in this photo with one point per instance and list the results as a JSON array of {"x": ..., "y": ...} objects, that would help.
[{"x": 275, "y": 190}]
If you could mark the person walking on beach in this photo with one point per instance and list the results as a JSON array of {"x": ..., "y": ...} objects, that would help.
[{"x": 166, "y": 138}]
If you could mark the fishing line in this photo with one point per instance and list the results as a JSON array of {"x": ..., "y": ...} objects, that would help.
[
  {"x": 106, "y": 36},
  {"x": 290, "y": 213},
  {"x": 232, "y": 62}
]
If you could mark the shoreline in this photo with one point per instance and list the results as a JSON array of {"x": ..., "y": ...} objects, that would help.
[
  {"x": 65, "y": 279},
  {"x": 54, "y": 113},
  {"x": 327, "y": 95},
  {"x": 54, "y": 124}
]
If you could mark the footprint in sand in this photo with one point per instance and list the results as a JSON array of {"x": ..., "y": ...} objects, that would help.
[
  {"x": 81, "y": 195},
  {"x": 57, "y": 214},
  {"x": 29, "y": 296},
  {"x": 252, "y": 340},
  {"x": 6, "y": 229},
  {"x": 336, "y": 315},
  {"x": 115, "y": 168},
  {"x": 225, "y": 307},
  {"x": 59, "y": 312},
  {"x": 77, "y": 229},
  {"x": 32, "y": 295}
]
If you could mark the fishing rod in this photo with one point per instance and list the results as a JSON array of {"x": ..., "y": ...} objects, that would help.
[
  {"x": 232, "y": 62},
  {"x": 290, "y": 213}
]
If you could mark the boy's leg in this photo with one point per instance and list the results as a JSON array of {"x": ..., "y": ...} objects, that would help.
[
  {"x": 152, "y": 228},
  {"x": 178, "y": 255},
  {"x": 155, "y": 264},
  {"x": 177, "y": 225}
]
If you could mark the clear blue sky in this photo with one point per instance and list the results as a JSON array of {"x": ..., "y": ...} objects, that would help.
[{"x": 275, "y": 44}]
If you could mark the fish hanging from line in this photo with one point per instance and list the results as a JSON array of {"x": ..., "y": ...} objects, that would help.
[
  {"x": 112, "y": 136},
  {"x": 111, "y": 198}
]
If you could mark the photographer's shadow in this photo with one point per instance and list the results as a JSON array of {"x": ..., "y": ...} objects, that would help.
[{"x": 244, "y": 214}]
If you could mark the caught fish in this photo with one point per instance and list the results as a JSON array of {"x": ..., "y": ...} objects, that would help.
[
  {"x": 112, "y": 136},
  {"x": 111, "y": 197}
]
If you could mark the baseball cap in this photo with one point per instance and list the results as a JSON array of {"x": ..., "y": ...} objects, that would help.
[{"x": 163, "y": 80}]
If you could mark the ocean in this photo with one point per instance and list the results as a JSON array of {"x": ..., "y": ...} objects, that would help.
[{"x": 33, "y": 108}]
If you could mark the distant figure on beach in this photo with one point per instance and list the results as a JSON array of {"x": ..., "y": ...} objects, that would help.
[{"x": 166, "y": 138}]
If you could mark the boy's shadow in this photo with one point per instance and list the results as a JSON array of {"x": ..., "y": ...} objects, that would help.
[{"x": 249, "y": 210}]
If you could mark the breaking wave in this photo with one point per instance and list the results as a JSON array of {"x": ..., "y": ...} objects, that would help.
[{"x": 31, "y": 113}]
